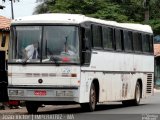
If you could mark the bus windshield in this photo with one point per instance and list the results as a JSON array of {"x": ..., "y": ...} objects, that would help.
[{"x": 45, "y": 44}]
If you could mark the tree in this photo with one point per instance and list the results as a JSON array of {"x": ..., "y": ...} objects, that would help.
[
  {"x": 154, "y": 9},
  {"x": 117, "y": 10},
  {"x": 68, "y": 6},
  {"x": 96, "y": 8},
  {"x": 44, "y": 7}
]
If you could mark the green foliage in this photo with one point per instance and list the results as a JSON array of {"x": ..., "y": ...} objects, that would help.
[
  {"x": 117, "y": 10},
  {"x": 155, "y": 24},
  {"x": 111, "y": 12},
  {"x": 154, "y": 9}
]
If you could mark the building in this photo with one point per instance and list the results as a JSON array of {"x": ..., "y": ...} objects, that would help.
[
  {"x": 4, "y": 33},
  {"x": 4, "y": 39},
  {"x": 157, "y": 64}
]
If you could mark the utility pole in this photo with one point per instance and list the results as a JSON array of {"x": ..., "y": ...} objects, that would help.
[{"x": 12, "y": 12}]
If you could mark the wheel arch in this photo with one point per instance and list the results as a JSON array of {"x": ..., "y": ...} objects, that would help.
[{"x": 97, "y": 87}]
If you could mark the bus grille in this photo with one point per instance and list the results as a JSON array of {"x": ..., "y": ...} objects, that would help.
[{"x": 149, "y": 83}]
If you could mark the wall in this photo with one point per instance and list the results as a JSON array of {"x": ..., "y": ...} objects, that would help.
[
  {"x": 157, "y": 72},
  {"x": 5, "y": 48}
]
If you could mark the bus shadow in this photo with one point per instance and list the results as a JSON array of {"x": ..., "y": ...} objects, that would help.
[
  {"x": 78, "y": 109},
  {"x": 112, "y": 106},
  {"x": 63, "y": 110}
]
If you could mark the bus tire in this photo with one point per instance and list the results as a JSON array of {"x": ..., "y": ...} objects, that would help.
[
  {"x": 31, "y": 107},
  {"x": 92, "y": 100},
  {"x": 137, "y": 97}
]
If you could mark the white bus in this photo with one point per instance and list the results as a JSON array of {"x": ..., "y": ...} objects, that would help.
[{"x": 79, "y": 60}]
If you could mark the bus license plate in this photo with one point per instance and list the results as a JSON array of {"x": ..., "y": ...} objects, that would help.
[{"x": 40, "y": 93}]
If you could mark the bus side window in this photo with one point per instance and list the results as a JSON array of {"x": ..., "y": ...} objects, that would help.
[
  {"x": 151, "y": 43},
  {"x": 86, "y": 37},
  {"x": 107, "y": 34},
  {"x": 97, "y": 36},
  {"x": 146, "y": 43},
  {"x": 118, "y": 39},
  {"x": 86, "y": 45},
  {"x": 128, "y": 41},
  {"x": 3, "y": 43},
  {"x": 137, "y": 42}
]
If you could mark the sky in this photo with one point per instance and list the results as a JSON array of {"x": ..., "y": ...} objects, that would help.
[{"x": 22, "y": 8}]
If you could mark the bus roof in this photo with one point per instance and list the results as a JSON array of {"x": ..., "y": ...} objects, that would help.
[{"x": 77, "y": 19}]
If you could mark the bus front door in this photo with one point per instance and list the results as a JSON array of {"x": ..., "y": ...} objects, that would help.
[{"x": 3, "y": 78}]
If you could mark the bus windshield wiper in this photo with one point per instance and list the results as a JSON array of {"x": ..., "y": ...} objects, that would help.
[
  {"x": 24, "y": 62},
  {"x": 55, "y": 59}
]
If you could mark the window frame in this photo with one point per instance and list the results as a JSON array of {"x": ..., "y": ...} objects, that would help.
[
  {"x": 126, "y": 38},
  {"x": 92, "y": 38},
  {"x": 123, "y": 44},
  {"x": 151, "y": 44},
  {"x": 139, "y": 38},
  {"x": 42, "y": 31},
  {"x": 112, "y": 41},
  {"x": 144, "y": 36},
  {"x": 121, "y": 39}
]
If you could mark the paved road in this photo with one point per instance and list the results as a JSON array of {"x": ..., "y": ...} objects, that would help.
[{"x": 148, "y": 110}]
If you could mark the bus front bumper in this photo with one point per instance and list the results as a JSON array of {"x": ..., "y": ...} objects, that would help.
[{"x": 44, "y": 94}]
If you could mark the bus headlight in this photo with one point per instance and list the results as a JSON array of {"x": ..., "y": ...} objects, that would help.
[{"x": 16, "y": 93}]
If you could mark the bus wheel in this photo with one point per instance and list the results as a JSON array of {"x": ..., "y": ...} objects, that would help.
[
  {"x": 92, "y": 100},
  {"x": 137, "y": 97},
  {"x": 31, "y": 107}
]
